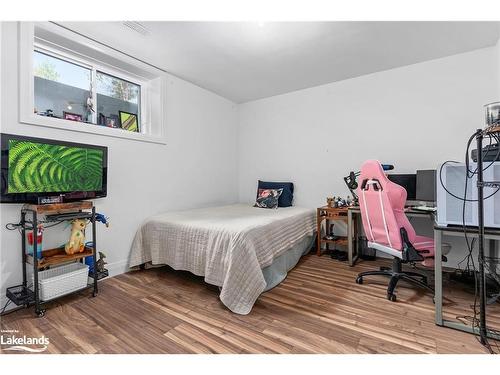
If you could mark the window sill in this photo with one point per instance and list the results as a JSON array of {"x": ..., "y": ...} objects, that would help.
[
  {"x": 57, "y": 123},
  {"x": 154, "y": 82}
]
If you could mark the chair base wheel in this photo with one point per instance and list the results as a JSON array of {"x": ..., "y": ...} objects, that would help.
[
  {"x": 396, "y": 273},
  {"x": 40, "y": 313}
]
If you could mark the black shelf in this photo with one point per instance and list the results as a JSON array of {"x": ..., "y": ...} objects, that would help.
[
  {"x": 20, "y": 295},
  {"x": 68, "y": 216},
  {"x": 100, "y": 275}
]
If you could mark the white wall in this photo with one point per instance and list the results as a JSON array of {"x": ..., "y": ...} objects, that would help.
[
  {"x": 197, "y": 166},
  {"x": 413, "y": 117},
  {"x": 498, "y": 70}
]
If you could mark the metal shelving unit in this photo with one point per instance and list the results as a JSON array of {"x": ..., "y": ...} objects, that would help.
[
  {"x": 23, "y": 295},
  {"x": 481, "y": 184}
]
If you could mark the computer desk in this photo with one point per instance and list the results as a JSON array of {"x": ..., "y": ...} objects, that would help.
[
  {"x": 439, "y": 231},
  {"x": 352, "y": 251}
]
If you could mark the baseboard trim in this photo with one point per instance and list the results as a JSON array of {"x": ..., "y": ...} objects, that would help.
[{"x": 117, "y": 268}]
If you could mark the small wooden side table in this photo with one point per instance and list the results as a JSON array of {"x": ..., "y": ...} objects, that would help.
[{"x": 327, "y": 214}]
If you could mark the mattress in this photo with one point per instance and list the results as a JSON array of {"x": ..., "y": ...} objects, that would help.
[{"x": 229, "y": 246}]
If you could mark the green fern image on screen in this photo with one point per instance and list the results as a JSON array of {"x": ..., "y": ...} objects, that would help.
[{"x": 39, "y": 167}]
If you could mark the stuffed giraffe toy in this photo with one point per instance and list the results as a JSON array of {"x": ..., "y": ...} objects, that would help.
[{"x": 76, "y": 243}]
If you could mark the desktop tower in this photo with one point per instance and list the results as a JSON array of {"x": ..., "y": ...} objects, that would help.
[{"x": 450, "y": 208}]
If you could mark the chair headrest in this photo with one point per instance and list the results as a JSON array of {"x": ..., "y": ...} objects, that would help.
[{"x": 373, "y": 174}]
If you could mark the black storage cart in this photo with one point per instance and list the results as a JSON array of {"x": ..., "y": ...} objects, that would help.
[{"x": 23, "y": 295}]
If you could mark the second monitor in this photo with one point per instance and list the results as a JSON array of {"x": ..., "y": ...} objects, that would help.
[
  {"x": 426, "y": 185},
  {"x": 420, "y": 187}
]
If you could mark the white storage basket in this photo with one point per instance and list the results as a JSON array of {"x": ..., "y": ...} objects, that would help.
[{"x": 62, "y": 280}]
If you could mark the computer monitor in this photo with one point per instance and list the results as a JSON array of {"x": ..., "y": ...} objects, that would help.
[
  {"x": 408, "y": 181},
  {"x": 426, "y": 185}
]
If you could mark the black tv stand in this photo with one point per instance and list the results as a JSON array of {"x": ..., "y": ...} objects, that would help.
[{"x": 23, "y": 295}]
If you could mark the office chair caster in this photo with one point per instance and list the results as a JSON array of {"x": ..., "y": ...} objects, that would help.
[
  {"x": 40, "y": 313},
  {"x": 391, "y": 297},
  {"x": 359, "y": 280}
]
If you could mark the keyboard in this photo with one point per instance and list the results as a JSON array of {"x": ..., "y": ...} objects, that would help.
[{"x": 424, "y": 208}]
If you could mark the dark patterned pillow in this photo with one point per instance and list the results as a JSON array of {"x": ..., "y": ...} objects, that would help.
[
  {"x": 268, "y": 198},
  {"x": 286, "y": 198}
]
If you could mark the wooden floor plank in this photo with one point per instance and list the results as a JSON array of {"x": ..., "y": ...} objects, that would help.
[{"x": 317, "y": 309}]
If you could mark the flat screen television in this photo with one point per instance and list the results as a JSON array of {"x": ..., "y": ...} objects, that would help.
[{"x": 34, "y": 168}]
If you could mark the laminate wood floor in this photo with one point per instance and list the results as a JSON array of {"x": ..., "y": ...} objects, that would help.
[{"x": 317, "y": 309}]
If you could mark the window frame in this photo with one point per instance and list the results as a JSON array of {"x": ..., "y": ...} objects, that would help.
[
  {"x": 95, "y": 67},
  {"x": 153, "y": 81}
]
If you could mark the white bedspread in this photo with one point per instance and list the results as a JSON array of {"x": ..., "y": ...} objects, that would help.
[{"x": 227, "y": 245}]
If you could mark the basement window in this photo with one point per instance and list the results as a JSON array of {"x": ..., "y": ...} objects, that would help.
[
  {"x": 65, "y": 89},
  {"x": 73, "y": 83}
]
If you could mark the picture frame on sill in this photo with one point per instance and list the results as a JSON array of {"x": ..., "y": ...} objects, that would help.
[
  {"x": 72, "y": 116},
  {"x": 113, "y": 121},
  {"x": 129, "y": 121},
  {"x": 101, "y": 119}
]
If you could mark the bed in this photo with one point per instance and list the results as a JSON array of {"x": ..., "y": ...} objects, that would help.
[{"x": 241, "y": 249}]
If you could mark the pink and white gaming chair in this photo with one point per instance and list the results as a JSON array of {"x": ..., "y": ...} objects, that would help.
[{"x": 387, "y": 228}]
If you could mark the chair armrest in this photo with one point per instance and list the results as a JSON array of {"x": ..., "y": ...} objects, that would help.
[{"x": 410, "y": 254}]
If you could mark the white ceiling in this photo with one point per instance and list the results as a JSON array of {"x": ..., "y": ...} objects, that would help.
[{"x": 244, "y": 61}]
